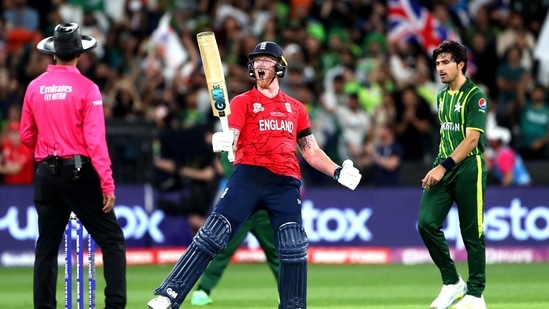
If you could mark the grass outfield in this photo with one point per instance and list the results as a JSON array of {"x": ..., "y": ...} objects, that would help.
[{"x": 509, "y": 286}]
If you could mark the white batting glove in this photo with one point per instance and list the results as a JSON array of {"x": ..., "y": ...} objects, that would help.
[
  {"x": 348, "y": 175},
  {"x": 223, "y": 141}
]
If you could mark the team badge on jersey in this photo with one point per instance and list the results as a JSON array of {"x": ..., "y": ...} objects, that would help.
[
  {"x": 288, "y": 107},
  {"x": 258, "y": 108},
  {"x": 457, "y": 107},
  {"x": 482, "y": 103}
]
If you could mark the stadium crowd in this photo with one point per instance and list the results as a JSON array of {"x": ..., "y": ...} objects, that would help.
[{"x": 370, "y": 98}]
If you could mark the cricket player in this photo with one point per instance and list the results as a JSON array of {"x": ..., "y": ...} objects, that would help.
[
  {"x": 458, "y": 175},
  {"x": 265, "y": 126}
]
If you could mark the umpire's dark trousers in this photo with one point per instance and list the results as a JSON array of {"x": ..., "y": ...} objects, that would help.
[{"x": 55, "y": 196}]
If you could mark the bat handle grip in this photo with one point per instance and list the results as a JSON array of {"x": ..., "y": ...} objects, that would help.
[{"x": 225, "y": 128}]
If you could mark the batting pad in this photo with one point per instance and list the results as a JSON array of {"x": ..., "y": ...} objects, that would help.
[
  {"x": 208, "y": 242},
  {"x": 292, "y": 245}
]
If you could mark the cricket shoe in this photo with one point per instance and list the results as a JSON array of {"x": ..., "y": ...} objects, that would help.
[
  {"x": 449, "y": 294},
  {"x": 160, "y": 302},
  {"x": 200, "y": 298},
  {"x": 470, "y": 302}
]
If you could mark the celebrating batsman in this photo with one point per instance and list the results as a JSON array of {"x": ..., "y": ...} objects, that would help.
[{"x": 265, "y": 125}]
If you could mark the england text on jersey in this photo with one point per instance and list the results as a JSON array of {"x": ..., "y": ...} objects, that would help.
[{"x": 276, "y": 125}]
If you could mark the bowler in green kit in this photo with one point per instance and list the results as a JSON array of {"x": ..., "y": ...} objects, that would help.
[{"x": 458, "y": 175}]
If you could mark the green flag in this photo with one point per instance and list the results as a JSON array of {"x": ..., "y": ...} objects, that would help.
[{"x": 89, "y": 5}]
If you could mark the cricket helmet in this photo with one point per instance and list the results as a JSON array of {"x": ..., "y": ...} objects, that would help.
[
  {"x": 66, "y": 41},
  {"x": 270, "y": 49}
]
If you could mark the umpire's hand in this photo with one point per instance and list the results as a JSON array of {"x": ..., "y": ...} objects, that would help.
[{"x": 108, "y": 203}]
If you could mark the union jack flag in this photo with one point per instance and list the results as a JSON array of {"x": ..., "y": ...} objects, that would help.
[{"x": 410, "y": 21}]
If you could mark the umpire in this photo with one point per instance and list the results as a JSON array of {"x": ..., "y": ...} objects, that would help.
[{"x": 63, "y": 124}]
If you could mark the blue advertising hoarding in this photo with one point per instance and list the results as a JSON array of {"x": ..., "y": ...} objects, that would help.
[{"x": 333, "y": 218}]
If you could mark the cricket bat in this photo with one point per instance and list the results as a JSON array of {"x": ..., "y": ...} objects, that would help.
[{"x": 215, "y": 78}]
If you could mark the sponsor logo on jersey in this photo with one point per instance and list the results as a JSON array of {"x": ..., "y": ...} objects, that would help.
[
  {"x": 98, "y": 102},
  {"x": 55, "y": 89},
  {"x": 258, "y": 108},
  {"x": 482, "y": 103},
  {"x": 55, "y": 92},
  {"x": 450, "y": 126}
]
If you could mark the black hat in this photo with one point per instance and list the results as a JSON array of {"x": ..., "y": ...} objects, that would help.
[
  {"x": 66, "y": 41},
  {"x": 271, "y": 49}
]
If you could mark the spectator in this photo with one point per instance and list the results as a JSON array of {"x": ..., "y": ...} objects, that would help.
[
  {"x": 512, "y": 81},
  {"x": 379, "y": 81},
  {"x": 16, "y": 160},
  {"x": 506, "y": 165},
  {"x": 414, "y": 124},
  {"x": 354, "y": 124},
  {"x": 515, "y": 34},
  {"x": 21, "y": 16},
  {"x": 534, "y": 126},
  {"x": 8, "y": 95},
  {"x": 124, "y": 101},
  {"x": 384, "y": 158},
  {"x": 483, "y": 26},
  {"x": 383, "y": 115},
  {"x": 486, "y": 59},
  {"x": 401, "y": 59}
]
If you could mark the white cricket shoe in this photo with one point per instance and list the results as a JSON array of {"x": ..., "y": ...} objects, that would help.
[
  {"x": 449, "y": 294},
  {"x": 160, "y": 302},
  {"x": 470, "y": 302}
]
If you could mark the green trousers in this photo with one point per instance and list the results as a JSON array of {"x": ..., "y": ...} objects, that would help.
[
  {"x": 465, "y": 185},
  {"x": 259, "y": 225}
]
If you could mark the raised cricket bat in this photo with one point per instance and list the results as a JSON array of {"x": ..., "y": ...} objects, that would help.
[{"x": 215, "y": 78}]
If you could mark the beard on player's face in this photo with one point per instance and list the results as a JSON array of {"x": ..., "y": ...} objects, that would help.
[{"x": 264, "y": 77}]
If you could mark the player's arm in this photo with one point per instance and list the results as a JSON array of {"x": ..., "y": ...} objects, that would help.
[
  {"x": 315, "y": 156},
  {"x": 347, "y": 175},
  {"x": 29, "y": 131},
  {"x": 467, "y": 145}
]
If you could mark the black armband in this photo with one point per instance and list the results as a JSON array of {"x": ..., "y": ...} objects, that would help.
[
  {"x": 304, "y": 133},
  {"x": 336, "y": 172},
  {"x": 448, "y": 164}
]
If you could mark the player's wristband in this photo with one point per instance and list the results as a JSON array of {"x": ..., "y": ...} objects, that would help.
[
  {"x": 336, "y": 172},
  {"x": 448, "y": 164}
]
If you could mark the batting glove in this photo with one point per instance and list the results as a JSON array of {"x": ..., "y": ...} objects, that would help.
[
  {"x": 348, "y": 175},
  {"x": 222, "y": 141}
]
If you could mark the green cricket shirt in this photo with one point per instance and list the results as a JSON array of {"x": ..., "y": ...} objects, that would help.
[{"x": 458, "y": 111}]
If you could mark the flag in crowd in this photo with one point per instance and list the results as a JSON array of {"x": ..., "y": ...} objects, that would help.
[{"x": 408, "y": 20}]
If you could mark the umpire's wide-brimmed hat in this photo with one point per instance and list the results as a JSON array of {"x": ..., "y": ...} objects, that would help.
[{"x": 66, "y": 41}]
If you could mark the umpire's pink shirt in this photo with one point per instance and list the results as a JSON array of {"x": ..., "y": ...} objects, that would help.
[{"x": 63, "y": 115}]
